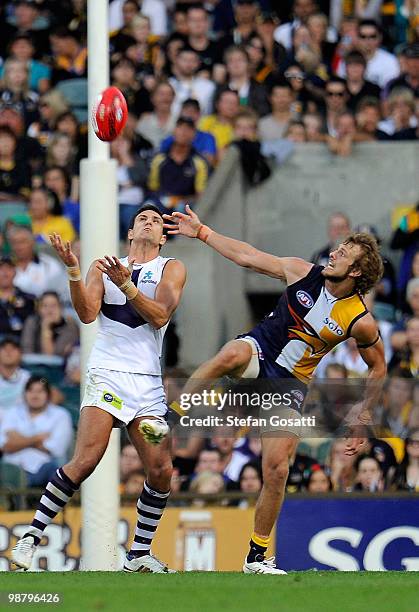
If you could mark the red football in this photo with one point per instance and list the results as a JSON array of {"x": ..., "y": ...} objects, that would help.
[{"x": 110, "y": 114}]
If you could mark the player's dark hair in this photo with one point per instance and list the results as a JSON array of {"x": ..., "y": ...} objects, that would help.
[
  {"x": 142, "y": 209},
  {"x": 41, "y": 380},
  {"x": 370, "y": 262}
]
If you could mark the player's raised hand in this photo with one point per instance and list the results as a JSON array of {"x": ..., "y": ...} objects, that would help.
[
  {"x": 111, "y": 266},
  {"x": 353, "y": 445},
  {"x": 64, "y": 251},
  {"x": 184, "y": 224}
]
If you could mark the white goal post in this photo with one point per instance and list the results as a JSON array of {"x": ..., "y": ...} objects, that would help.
[{"x": 99, "y": 236}]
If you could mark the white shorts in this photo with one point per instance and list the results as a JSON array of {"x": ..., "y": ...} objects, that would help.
[{"x": 125, "y": 395}]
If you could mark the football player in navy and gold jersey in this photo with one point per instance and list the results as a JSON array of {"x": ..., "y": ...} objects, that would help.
[{"x": 321, "y": 307}]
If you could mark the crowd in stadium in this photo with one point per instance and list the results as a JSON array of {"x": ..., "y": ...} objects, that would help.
[{"x": 197, "y": 77}]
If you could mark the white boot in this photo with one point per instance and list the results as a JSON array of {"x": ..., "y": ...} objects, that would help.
[
  {"x": 23, "y": 552},
  {"x": 266, "y": 566}
]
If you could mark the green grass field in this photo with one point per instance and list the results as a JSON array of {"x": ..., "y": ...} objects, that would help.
[{"x": 219, "y": 592}]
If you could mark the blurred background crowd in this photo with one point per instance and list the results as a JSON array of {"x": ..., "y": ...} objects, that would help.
[{"x": 198, "y": 78}]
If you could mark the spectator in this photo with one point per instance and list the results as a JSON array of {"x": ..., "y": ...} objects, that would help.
[
  {"x": 207, "y": 483},
  {"x": 250, "y": 480},
  {"x": 51, "y": 105},
  {"x": 42, "y": 209},
  {"x": 198, "y": 25},
  {"x": 299, "y": 471},
  {"x": 306, "y": 99},
  {"x": 407, "y": 474},
  {"x": 69, "y": 55},
  {"x": 407, "y": 358},
  {"x": 232, "y": 460},
  {"x": 180, "y": 175},
  {"x": 319, "y": 480},
  {"x": 382, "y": 452},
  {"x": 23, "y": 49},
  {"x": 245, "y": 14},
  {"x": 136, "y": 95},
  {"x": 368, "y": 118},
  {"x": 67, "y": 123},
  {"x": 306, "y": 53},
  {"x": 143, "y": 50},
  {"x": 186, "y": 84},
  {"x": 313, "y": 123},
  {"x": 338, "y": 228},
  {"x": 317, "y": 25},
  {"x": 15, "y": 90},
  {"x": 401, "y": 123},
  {"x": 61, "y": 152},
  {"x": 204, "y": 142},
  {"x": 369, "y": 476},
  {"x": 220, "y": 124},
  {"x": 36, "y": 435},
  {"x": 120, "y": 38},
  {"x": 129, "y": 462},
  {"x": 48, "y": 332},
  {"x": 358, "y": 87},
  {"x": 260, "y": 69},
  {"x": 275, "y": 53},
  {"x": 14, "y": 173},
  {"x": 382, "y": 66},
  {"x": 13, "y": 377},
  {"x": 274, "y": 125},
  {"x": 131, "y": 176},
  {"x": 296, "y": 132},
  {"x": 28, "y": 150},
  {"x": 15, "y": 305},
  {"x": 341, "y": 467},
  {"x": 336, "y": 99},
  {"x": 345, "y": 128},
  {"x": 58, "y": 181},
  {"x": 134, "y": 483},
  {"x": 393, "y": 413},
  {"x": 209, "y": 460},
  {"x": 251, "y": 93},
  {"x": 410, "y": 76},
  {"x": 161, "y": 122},
  {"x": 302, "y": 9},
  {"x": 35, "y": 273},
  {"x": 24, "y": 21}
]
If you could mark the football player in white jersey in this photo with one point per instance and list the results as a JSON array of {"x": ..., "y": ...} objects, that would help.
[{"x": 134, "y": 298}]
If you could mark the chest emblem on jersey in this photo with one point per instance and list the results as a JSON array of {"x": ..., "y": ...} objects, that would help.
[
  {"x": 305, "y": 299},
  {"x": 333, "y": 326},
  {"x": 148, "y": 278},
  {"x": 301, "y": 330}
]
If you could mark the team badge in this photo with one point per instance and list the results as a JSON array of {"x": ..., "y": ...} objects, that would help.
[{"x": 305, "y": 299}]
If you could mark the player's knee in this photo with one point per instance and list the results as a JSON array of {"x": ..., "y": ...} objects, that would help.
[
  {"x": 160, "y": 474},
  {"x": 275, "y": 473}
]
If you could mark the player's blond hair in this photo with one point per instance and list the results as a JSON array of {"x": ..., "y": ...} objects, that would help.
[{"x": 370, "y": 262}]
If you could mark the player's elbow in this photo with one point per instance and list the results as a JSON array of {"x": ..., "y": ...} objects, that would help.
[
  {"x": 159, "y": 322},
  {"x": 87, "y": 318}
]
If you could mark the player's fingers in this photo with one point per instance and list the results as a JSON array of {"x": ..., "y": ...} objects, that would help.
[
  {"x": 180, "y": 216},
  {"x": 101, "y": 267},
  {"x": 173, "y": 232},
  {"x": 104, "y": 264},
  {"x": 169, "y": 225},
  {"x": 190, "y": 211},
  {"x": 168, "y": 217},
  {"x": 110, "y": 261}
]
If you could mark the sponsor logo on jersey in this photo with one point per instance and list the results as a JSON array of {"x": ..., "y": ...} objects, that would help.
[
  {"x": 333, "y": 326},
  {"x": 148, "y": 278},
  {"x": 298, "y": 397},
  {"x": 305, "y": 299},
  {"x": 112, "y": 399}
]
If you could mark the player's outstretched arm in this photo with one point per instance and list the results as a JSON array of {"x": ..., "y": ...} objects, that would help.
[
  {"x": 289, "y": 269},
  {"x": 371, "y": 349},
  {"x": 86, "y": 297}
]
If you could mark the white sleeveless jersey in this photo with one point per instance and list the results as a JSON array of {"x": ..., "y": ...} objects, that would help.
[{"x": 125, "y": 341}]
